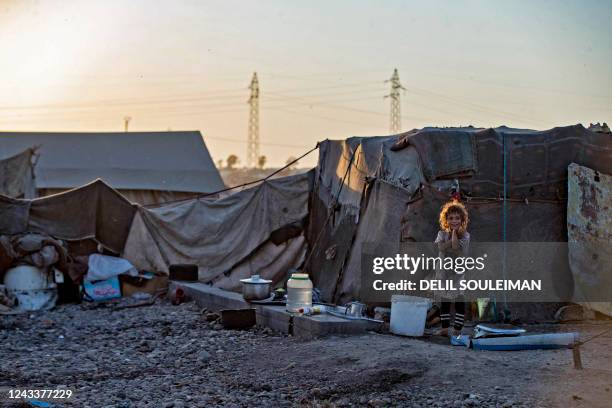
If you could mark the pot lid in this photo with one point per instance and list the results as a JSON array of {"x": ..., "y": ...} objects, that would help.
[{"x": 255, "y": 279}]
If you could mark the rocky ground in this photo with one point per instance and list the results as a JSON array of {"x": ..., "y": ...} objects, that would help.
[{"x": 173, "y": 356}]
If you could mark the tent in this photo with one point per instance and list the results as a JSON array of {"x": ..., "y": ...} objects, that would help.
[
  {"x": 388, "y": 190},
  {"x": 146, "y": 167},
  {"x": 93, "y": 211},
  {"x": 17, "y": 175},
  {"x": 256, "y": 230}
]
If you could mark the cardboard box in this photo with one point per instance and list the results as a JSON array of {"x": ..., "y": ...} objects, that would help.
[
  {"x": 102, "y": 290},
  {"x": 131, "y": 284}
]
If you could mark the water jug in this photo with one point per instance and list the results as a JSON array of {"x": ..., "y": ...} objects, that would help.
[{"x": 299, "y": 292}]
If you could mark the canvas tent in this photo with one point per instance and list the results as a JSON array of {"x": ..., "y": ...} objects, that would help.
[
  {"x": 17, "y": 175},
  {"x": 257, "y": 230},
  {"x": 146, "y": 167},
  {"x": 389, "y": 190},
  {"x": 94, "y": 211}
]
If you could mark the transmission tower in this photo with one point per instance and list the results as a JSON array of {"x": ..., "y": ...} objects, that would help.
[
  {"x": 253, "y": 138},
  {"x": 395, "y": 120}
]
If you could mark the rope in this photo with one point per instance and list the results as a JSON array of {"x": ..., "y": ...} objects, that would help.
[
  {"x": 333, "y": 206},
  {"x": 505, "y": 220},
  {"x": 594, "y": 337},
  {"x": 197, "y": 197},
  {"x": 486, "y": 200}
]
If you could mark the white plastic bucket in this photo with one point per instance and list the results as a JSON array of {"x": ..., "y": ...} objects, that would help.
[
  {"x": 33, "y": 288},
  {"x": 408, "y": 315}
]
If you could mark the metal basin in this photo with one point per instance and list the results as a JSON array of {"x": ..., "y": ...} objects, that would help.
[{"x": 255, "y": 288}]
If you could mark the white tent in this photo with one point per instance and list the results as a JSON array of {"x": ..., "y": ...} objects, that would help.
[{"x": 146, "y": 167}]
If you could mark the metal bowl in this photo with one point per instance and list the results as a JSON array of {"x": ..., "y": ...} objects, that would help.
[{"x": 255, "y": 288}]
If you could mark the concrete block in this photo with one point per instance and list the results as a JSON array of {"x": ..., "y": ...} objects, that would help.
[
  {"x": 213, "y": 299},
  {"x": 274, "y": 317},
  {"x": 308, "y": 327}
]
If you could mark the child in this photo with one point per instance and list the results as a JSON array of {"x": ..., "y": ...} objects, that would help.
[{"x": 453, "y": 241}]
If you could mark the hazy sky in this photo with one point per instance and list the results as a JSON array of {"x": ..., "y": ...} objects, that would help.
[{"x": 82, "y": 65}]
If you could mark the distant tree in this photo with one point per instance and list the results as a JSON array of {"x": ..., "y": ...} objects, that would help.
[
  {"x": 231, "y": 161},
  {"x": 261, "y": 162},
  {"x": 291, "y": 166}
]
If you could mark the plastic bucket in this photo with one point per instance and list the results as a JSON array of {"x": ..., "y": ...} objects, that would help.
[{"x": 408, "y": 315}]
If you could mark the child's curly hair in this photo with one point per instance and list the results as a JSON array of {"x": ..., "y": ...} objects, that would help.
[{"x": 456, "y": 207}]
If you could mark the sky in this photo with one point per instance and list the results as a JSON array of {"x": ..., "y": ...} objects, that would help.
[{"x": 84, "y": 65}]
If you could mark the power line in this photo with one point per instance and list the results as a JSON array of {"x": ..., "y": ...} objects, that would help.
[
  {"x": 309, "y": 102},
  {"x": 474, "y": 106},
  {"x": 333, "y": 119},
  {"x": 226, "y": 139}
]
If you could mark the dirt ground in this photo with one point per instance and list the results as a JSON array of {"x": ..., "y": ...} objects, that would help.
[{"x": 171, "y": 356}]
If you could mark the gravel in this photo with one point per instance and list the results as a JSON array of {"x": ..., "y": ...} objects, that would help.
[{"x": 180, "y": 356}]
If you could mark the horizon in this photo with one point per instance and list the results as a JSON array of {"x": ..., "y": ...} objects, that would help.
[{"x": 82, "y": 66}]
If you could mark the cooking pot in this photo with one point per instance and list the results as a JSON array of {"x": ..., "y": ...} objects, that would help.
[{"x": 255, "y": 288}]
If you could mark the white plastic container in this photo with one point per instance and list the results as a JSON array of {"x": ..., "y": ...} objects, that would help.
[
  {"x": 33, "y": 288},
  {"x": 299, "y": 292},
  {"x": 315, "y": 310},
  {"x": 408, "y": 315}
]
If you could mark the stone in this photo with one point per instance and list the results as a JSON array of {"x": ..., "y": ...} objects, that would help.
[
  {"x": 574, "y": 312},
  {"x": 204, "y": 356}
]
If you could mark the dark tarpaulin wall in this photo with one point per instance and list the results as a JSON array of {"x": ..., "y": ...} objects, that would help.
[
  {"x": 333, "y": 246},
  {"x": 217, "y": 235},
  {"x": 93, "y": 211},
  {"x": 536, "y": 165},
  {"x": 13, "y": 215},
  {"x": 379, "y": 226},
  {"x": 536, "y": 161},
  {"x": 17, "y": 175}
]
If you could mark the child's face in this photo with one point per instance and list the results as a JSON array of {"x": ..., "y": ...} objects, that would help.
[{"x": 454, "y": 220}]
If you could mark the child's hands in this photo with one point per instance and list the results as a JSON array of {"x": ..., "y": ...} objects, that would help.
[{"x": 454, "y": 240}]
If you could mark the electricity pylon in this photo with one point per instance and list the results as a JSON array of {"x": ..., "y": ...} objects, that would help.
[
  {"x": 395, "y": 119},
  {"x": 253, "y": 137}
]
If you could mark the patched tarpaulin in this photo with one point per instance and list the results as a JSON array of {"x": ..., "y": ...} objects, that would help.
[
  {"x": 216, "y": 234},
  {"x": 93, "y": 211},
  {"x": 589, "y": 228},
  {"x": 270, "y": 261},
  {"x": 13, "y": 215},
  {"x": 345, "y": 166},
  {"x": 379, "y": 226},
  {"x": 368, "y": 157},
  {"x": 536, "y": 161},
  {"x": 534, "y": 164},
  {"x": 443, "y": 152},
  {"x": 17, "y": 175}
]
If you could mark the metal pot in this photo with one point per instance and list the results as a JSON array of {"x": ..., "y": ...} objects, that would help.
[
  {"x": 255, "y": 288},
  {"x": 355, "y": 309}
]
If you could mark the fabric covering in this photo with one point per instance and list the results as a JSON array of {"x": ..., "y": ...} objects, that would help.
[
  {"x": 92, "y": 211},
  {"x": 443, "y": 152},
  {"x": 141, "y": 197},
  {"x": 270, "y": 261},
  {"x": 589, "y": 226},
  {"x": 393, "y": 190},
  {"x": 216, "y": 234},
  {"x": 160, "y": 161},
  {"x": 17, "y": 175}
]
